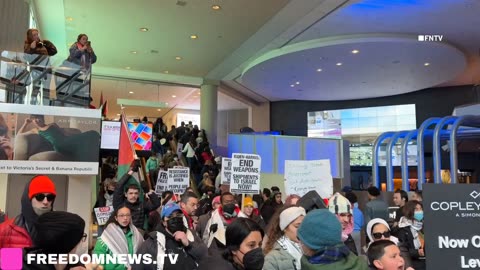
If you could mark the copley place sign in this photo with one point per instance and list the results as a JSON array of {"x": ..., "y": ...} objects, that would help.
[{"x": 459, "y": 206}]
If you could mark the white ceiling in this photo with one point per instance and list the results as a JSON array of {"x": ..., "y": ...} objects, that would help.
[{"x": 275, "y": 43}]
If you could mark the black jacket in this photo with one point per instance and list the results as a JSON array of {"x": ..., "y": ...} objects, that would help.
[
  {"x": 188, "y": 257},
  {"x": 138, "y": 209},
  {"x": 216, "y": 262},
  {"x": 405, "y": 238},
  {"x": 350, "y": 243}
]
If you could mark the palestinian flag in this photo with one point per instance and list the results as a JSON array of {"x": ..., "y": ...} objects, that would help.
[{"x": 126, "y": 155}]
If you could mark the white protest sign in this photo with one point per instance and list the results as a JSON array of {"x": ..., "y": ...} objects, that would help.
[
  {"x": 103, "y": 214},
  {"x": 179, "y": 150},
  {"x": 162, "y": 182},
  {"x": 301, "y": 176},
  {"x": 226, "y": 173},
  {"x": 245, "y": 173},
  {"x": 178, "y": 180}
]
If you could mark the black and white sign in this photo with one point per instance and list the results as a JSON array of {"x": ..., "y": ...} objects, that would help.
[
  {"x": 245, "y": 173},
  {"x": 178, "y": 180},
  {"x": 301, "y": 176},
  {"x": 162, "y": 182},
  {"x": 103, "y": 214},
  {"x": 452, "y": 222},
  {"x": 226, "y": 173}
]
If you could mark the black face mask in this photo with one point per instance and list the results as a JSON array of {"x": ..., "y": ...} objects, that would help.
[
  {"x": 175, "y": 224},
  {"x": 110, "y": 192},
  {"x": 254, "y": 259},
  {"x": 229, "y": 210}
]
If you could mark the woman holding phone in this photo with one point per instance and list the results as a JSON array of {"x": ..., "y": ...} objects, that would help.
[{"x": 81, "y": 52}]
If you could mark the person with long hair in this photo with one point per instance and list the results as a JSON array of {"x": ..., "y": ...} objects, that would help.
[
  {"x": 283, "y": 251},
  {"x": 119, "y": 237},
  {"x": 6, "y": 147},
  {"x": 82, "y": 53},
  {"x": 34, "y": 45},
  {"x": 410, "y": 233},
  {"x": 243, "y": 248}
]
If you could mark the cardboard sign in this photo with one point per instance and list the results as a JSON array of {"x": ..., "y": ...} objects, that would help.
[
  {"x": 245, "y": 173},
  {"x": 451, "y": 222},
  {"x": 301, "y": 176},
  {"x": 226, "y": 173},
  {"x": 103, "y": 214},
  {"x": 178, "y": 180},
  {"x": 162, "y": 182}
]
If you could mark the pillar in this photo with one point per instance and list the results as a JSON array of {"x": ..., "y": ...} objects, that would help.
[{"x": 208, "y": 111}]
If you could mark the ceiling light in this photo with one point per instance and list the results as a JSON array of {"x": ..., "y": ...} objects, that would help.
[
  {"x": 118, "y": 114},
  {"x": 216, "y": 7},
  {"x": 133, "y": 52},
  {"x": 178, "y": 57},
  {"x": 355, "y": 51},
  {"x": 193, "y": 36},
  {"x": 131, "y": 92},
  {"x": 319, "y": 70},
  {"x": 174, "y": 96},
  {"x": 292, "y": 85},
  {"x": 339, "y": 64},
  {"x": 69, "y": 19},
  {"x": 143, "y": 29},
  {"x": 166, "y": 71},
  {"x": 297, "y": 83},
  {"x": 426, "y": 64},
  {"x": 127, "y": 67},
  {"x": 159, "y": 110}
]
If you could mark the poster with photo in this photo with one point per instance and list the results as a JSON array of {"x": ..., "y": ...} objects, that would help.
[{"x": 49, "y": 140}]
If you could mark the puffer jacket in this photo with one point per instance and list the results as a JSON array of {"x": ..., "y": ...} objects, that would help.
[{"x": 279, "y": 259}]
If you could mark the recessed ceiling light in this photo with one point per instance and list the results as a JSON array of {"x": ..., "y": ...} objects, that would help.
[
  {"x": 426, "y": 64},
  {"x": 166, "y": 71},
  {"x": 159, "y": 110},
  {"x": 143, "y": 29},
  {"x": 193, "y": 36},
  {"x": 178, "y": 57},
  {"x": 355, "y": 51},
  {"x": 319, "y": 70},
  {"x": 174, "y": 96},
  {"x": 133, "y": 52},
  {"x": 127, "y": 67},
  {"x": 339, "y": 64},
  {"x": 69, "y": 19},
  {"x": 216, "y": 7},
  {"x": 292, "y": 85},
  {"x": 297, "y": 83},
  {"x": 131, "y": 92}
]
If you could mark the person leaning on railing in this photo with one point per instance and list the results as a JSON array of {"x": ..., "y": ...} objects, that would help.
[{"x": 34, "y": 45}]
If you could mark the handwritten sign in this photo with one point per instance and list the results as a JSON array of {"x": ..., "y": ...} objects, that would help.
[
  {"x": 226, "y": 173},
  {"x": 178, "y": 179},
  {"x": 103, "y": 214},
  {"x": 301, "y": 176},
  {"x": 162, "y": 182},
  {"x": 245, "y": 173}
]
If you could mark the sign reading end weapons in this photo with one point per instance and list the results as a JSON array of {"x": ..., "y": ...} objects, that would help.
[
  {"x": 178, "y": 180},
  {"x": 245, "y": 173},
  {"x": 301, "y": 176}
]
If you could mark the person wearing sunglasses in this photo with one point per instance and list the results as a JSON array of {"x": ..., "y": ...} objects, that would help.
[
  {"x": 37, "y": 199},
  {"x": 378, "y": 229}
]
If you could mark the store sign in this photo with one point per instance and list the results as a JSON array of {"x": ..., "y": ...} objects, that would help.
[{"x": 452, "y": 222}]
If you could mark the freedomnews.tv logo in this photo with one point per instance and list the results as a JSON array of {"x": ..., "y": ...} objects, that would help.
[{"x": 434, "y": 38}]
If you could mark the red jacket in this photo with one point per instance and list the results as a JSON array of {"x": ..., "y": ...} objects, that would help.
[{"x": 14, "y": 236}]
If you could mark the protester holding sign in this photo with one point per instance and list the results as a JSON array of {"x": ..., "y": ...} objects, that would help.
[{"x": 410, "y": 233}]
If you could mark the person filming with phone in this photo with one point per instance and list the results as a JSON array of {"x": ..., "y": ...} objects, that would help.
[
  {"x": 35, "y": 45},
  {"x": 81, "y": 52}
]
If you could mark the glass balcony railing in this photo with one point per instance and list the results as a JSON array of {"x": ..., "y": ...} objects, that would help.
[{"x": 35, "y": 79}]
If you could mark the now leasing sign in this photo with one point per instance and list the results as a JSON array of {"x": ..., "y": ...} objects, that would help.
[{"x": 452, "y": 222}]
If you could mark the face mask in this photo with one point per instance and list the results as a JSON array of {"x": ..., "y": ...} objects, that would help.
[
  {"x": 229, "y": 210},
  {"x": 418, "y": 215},
  {"x": 110, "y": 192},
  {"x": 176, "y": 224},
  {"x": 253, "y": 260}
]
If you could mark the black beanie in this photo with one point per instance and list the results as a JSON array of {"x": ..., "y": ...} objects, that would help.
[{"x": 58, "y": 232}]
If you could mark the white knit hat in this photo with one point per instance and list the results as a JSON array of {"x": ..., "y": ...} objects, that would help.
[
  {"x": 338, "y": 204},
  {"x": 289, "y": 215}
]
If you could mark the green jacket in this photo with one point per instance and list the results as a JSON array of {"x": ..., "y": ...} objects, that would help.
[
  {"x": 352, "y": 262},
  {"x": 101, "y": 248},
  {"x": 152, "y": 164},
  {"x": 279, "y": 259}
]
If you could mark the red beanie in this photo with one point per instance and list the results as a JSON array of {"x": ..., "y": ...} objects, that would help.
[{"x": 41, "y": 184}]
